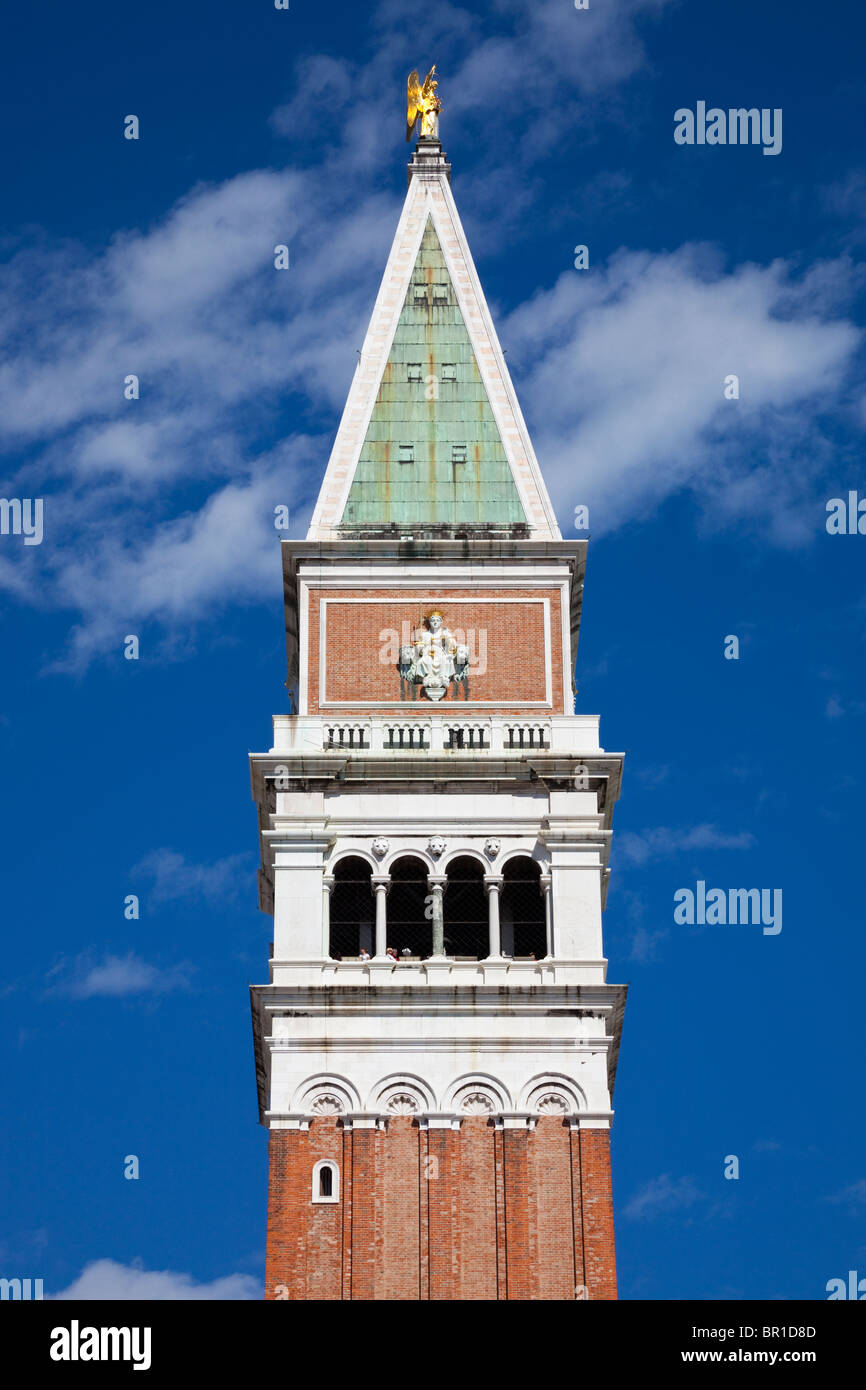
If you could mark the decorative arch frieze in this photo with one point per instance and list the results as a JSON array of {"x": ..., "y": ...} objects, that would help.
[
  {"x": 322, "y": 1096},
  {"x": 477, "y": 1094},
  {"x": 401, "y": 1094},
  {"x": 552, "y": 1094}
]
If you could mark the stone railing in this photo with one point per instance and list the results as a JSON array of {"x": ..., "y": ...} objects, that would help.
[{"x": 452, "y": 733}]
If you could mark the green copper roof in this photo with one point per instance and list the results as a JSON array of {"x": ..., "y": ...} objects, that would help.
[{"x": 434, "y": 461}]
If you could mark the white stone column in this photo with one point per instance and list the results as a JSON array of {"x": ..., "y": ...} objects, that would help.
[
  {"x": 437, "y": 883},
  {"x": 327, "y": 889},
  {"x": 545, "y": 883},
  {"x": 493, "y": 887},
  {"x": 381, "y": 883}
]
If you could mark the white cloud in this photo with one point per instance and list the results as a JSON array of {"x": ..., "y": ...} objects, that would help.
[
  {"x": 662, "y": 842},
  {"x": 115, "y": 977},
  {"x": 854, "y": 1195},
  {"x": 175, "y": 877},
  {"x": 663, "y": 1195},
  {"x": 107, "y": 1279},
  {"x": 645, "y": 944},
  {"x": 624, "y": 372}
]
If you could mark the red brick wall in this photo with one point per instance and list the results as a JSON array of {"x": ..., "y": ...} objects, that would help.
[
  {"x": 362, "y": 666},
  {"x": 597, "y": 1206},
  {"x": 550, "y": 1184},
  {"x": 475, "y": 1213},
  {"x": 401, "y": 1210},
  {"x": 476, "y": 1209}
]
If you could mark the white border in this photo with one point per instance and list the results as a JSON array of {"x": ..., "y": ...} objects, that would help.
[{"x": 480, "y": 597}]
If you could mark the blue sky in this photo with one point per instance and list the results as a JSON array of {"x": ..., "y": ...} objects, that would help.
[{"x": 707, "y": 515}]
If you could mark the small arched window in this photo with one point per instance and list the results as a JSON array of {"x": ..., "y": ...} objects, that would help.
[{"x": 326, "y": 1182}]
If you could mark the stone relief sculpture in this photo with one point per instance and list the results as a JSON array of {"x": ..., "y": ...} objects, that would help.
[{"x": 433, "y": 662}]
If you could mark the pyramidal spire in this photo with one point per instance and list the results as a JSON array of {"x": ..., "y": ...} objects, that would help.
[{"x": 432, "y": 435}]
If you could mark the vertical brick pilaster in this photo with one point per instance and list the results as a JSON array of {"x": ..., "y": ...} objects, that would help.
[
  {"x": 577, "y": 1208},
  {"x": 365, "y": 1213},
  {"x": 599, "y": 1254},
  {"x": 424, "y": 1213},
  {"x": 552, "y": 1248},
  {"x": 347, "y": 1204},
  {"x": 518, "y": 1235},
  {"x": 399, "y": 1186},
  {"x": 444, "y": 1281},
  {"x": 476, "y": 1208},
  {"x": 501, "y": 1233}
]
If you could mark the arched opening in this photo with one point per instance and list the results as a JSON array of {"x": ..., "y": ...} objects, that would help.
[
  {"x": 351, "y": 909},
  {"x": 466, "y": 915},
  {"x": 326, "y": 1181},
  {"x": 522, "y": 910},
  {"x": 410, "y": 932}
]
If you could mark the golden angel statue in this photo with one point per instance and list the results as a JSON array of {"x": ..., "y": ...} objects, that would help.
[{"x": 423, "y": 102}]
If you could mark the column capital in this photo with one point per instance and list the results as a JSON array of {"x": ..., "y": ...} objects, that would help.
[
  {"x": 493, "y": 881},
  {"x": 442, "y": 1120},
  {"x": 328, "y": 882},
  {"x": 515, "y": 1119},
  {"x": 380, "y": 881},
  {"x": 363, "y": 1119},
  {"x": 435, "y": 881},
  {"x": 281, "y": 1119}
]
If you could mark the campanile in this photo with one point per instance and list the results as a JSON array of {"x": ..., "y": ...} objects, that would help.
[{"x": 437, "y": 1046}]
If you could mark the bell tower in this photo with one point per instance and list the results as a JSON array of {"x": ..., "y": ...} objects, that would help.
[{"x": 436, "y": 1048}]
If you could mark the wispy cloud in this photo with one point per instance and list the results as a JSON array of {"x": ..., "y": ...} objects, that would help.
[
  {"x": 175, "y": 877},
  {"x": 662, "y": 842},
  {"x": 107, "y": 1279},
  {"x": 661, "y": 1196},
  {"x": 648, "y": 341},
  {"x": 854, "y": 1195},
  {"x": 646, "y": 944},
  {"x": 115, "y": 977}
]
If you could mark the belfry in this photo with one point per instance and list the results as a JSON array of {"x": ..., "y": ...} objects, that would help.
[{"x": 437, "y": 1046}]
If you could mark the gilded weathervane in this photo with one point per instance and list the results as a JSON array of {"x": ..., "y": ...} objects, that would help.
[{"x": 423, "y": 102}]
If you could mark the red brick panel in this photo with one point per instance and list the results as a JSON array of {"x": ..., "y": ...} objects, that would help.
[
  {"x": 577, "y": 1213},
  {"x": 476, "y": 1209},
  {"x": 443, "y": 1250},
  {"x": 519, "y": 1214},
  {"x": 423, "y": 1214},
  {"x": 288, "y": 1195},
  {"x": 346, "y": 1206},
  {"x": 362, "y": 646},
  {"x": 501, "y": 1242},
  {"x": 324, "y": 1219},
  {"x": 600, "y": 1257},
  {"x": 550, "y": 1152},
  {"x": 399, "y": 1179},
  {"x": 366, "y": 1208}
]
